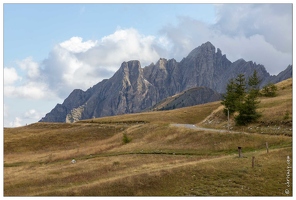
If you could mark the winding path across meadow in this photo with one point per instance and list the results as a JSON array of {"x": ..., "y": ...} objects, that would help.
[{"x": 192, "y": 126}]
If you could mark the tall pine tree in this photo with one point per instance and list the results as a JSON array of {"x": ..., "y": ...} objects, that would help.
[
  {"x": 240, "y": 88},
  {"x": 253, "y": 83},
  {"x": 247, "y": 110},
  {"x": 235, "y": 92},
  {"x": 237, "y": 99},
  {"x": 230, "y": 98}
]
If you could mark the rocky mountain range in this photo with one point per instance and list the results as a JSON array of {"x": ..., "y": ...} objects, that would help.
[{"x": 134, "y": 89}]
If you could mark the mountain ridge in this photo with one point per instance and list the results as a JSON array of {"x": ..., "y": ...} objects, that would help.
[{"x": 134, "y": 89}]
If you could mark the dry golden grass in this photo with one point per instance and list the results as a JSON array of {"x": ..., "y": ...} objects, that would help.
[
  {"x": 278, "y": 109},
  {"x": 167, "y": 175},
  {"x": 190, "y": 115},
  {"x": 160, "y": 160},
  {"x": 224, "y": 176},
  {"x": 156, "y": 150}
]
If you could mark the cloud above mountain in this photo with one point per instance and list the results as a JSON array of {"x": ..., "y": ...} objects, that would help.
[
  {"x": 11, "y": 76},
  {"x": 80, "y": 64},
  {"x": 272, "y": 21},
  {"x": 256, "y": 32},
  {"x": 29, "y": 84},
  {"x": 77, "y": 64},
  {"x": 76, "y": 45}
]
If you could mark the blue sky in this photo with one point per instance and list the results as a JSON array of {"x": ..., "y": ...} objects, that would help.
[
  {"x": 51, "y": 49},
  {"x": 36, "y": 28}
]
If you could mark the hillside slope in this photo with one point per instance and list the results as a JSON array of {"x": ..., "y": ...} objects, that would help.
[
  {"x": 157, "y": 160},
  {"x": 276, "y": 113},
  {"x": 190, "y": 97}
]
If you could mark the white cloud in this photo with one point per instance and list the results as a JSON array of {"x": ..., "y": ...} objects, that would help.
[
  {"x": 30, "y": 90},
  {"x": 65, "y": 72},
  {"x": 10, "y": 76},
  {"x": 76, "y": 45},
  {"x": 16, "y": 122},
  {"x": 31, "y": 67},
  {"x": 273, "y": 21},
  {"x": 122, "y": 45},
  {"x": 66, "y": 69},
  {"x": 261, "y": 33},
  {"x": 30, "y": 86},
  {"x": 185, "y": 36},
  {"x": 33, "y": 114}
]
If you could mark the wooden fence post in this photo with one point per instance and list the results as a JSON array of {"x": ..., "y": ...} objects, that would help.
[
  {"x": 267, "y": 147},
  {"x": 239, "y": 152},
  {"x": 253, "y": 161}
]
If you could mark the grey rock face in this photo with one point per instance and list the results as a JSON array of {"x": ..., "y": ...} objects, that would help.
[
  {"x": 134, "y": 89},
  {"x": 57, "y": 114},
  {"x": 190, "y": 97},
  {"x": 126, "y": 92},
  {"x": 203, "y": 67},
  {"x": 165, "y": 77},
  {"x": 287, "y": 73}
]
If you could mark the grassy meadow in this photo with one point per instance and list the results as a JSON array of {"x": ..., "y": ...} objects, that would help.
[{"x": 156, "y": 159}]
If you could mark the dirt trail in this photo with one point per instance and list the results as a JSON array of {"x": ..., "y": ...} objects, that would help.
[
  {"x": 213, "y": 112},
  {"x": 192, "y": 126}
]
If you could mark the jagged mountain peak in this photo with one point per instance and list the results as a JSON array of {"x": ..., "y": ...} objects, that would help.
[
  {"x": 161, "y": 63},
  {"x": 129, "y": 71},
  {"x": 241, "y": 60},
  {"x": 134, "y": 89},
  {"x": 130, "y": 66},
  {"x": 207, "y": 45},
  {"x": 206, "y": 48}
]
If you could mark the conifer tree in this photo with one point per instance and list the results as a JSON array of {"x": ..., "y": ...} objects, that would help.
[
  {"x": 230, "y": 98},
  {"x": 237, "y": 99},
  {"x": 235, "y": 92},
  {"x": 253, "y": 83},
  {"x": 240, "y": 88},
  {"x": 247, "y": 110}
]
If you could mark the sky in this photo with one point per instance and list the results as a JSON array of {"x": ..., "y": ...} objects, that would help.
[{"x": 51, "y": 49}]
